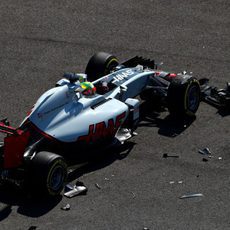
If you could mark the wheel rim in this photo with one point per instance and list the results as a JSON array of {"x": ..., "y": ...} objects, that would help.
[
  {"x": 112, "y": 64},
  {"x": 193, "y": 98},
  {"x": 56, "y": 179}
]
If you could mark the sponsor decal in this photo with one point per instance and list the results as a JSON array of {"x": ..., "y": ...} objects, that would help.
[
  {"x": 101, "y": 131},
  {"x": 121, "y": 76}
]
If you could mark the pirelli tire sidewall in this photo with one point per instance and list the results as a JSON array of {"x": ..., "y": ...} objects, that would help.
[
  {"x": 100, "y": 64},
  {"x": 48, "y": 173},
  {"x": 183, "y": 97}
]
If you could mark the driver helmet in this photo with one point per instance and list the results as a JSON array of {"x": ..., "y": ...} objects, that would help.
[
  {"x": 88, "y": 88},
  {"x": 82, "y": 77}
]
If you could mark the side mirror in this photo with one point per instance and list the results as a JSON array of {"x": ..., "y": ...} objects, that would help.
[
  {"x": 78, "y": 95},
  {"x": 78, "y": 92}
]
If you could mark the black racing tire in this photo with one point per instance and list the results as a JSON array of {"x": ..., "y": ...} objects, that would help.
[
  {"x": 184, "y": 96},
  {"x": 48, "y": 173},
  {"x": 100, "y": 64}
]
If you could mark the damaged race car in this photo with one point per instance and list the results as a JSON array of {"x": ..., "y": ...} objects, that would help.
[{"x": 97, "y": 108}]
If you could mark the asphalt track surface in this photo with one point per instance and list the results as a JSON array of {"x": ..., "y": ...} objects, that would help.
[{"x": 39, "y": 40}]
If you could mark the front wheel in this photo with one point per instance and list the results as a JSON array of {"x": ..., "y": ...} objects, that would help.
[
  {"x": 48, "y": 173},
  {"x": 183, "y": 96}
]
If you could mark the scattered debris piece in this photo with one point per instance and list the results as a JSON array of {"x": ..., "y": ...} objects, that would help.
[
  {"x": 191, "y": 195},
  {"x": 66, "y": 207},
  {"x": 68, "y": 187},
  {"x": 75, "y": 190},
  {"x": 173, "y": 182},
  {"x": 133, "y": 194},
  {"x": 106, "y": 178},
  {"x": 145, "y": 228},
  {"x": 134, "y": 133},
  {"x": 165, "y": 155},
  {"x": 220, "y": 158},
  {"x": 205, "y": 151},
  {"x": 98, "y": 186}
]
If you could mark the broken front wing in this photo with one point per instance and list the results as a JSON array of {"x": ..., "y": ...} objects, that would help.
[{"x": 220, "y": 98}]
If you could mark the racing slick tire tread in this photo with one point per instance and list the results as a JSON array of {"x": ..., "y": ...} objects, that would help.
[
  {"x": 43, "y": 169},
  {"x": 184, "y": 97},
  {"x": 100, "y": 64}
]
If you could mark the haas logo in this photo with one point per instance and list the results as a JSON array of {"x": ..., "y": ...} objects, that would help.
[
  {"x": 122, "y": 76},
  {"x": 100, "y": 131}
]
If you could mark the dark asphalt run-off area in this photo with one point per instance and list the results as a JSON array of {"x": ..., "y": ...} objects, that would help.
[{"x": 133, "y": 188}]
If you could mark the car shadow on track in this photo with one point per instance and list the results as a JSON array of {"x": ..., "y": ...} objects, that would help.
[
  {"x": 170, "y": 126},
  {"x": 99, "y": 160},
  {"x": 27, "y": 205},
  {"x": 35, "y": 206},
  {"x": 224, "y": 112}
]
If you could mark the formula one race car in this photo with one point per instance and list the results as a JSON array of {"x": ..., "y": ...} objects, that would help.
[{"x": 67, "y": 117}]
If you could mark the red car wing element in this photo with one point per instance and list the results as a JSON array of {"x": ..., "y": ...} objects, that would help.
[
  {"x": 14, "y": 148},
  {"x": 14, "y": 145}
]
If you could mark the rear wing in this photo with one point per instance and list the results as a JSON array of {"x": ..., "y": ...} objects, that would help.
[
  {"x": 14, "y": 145},
  {"x": 133, "y": 62}
]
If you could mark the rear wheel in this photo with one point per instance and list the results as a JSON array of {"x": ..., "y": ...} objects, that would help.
[
  {"x": 100, "y": 64},
  {"x": 183, "y": 96},
  {"x": 48, "y": 173}
]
